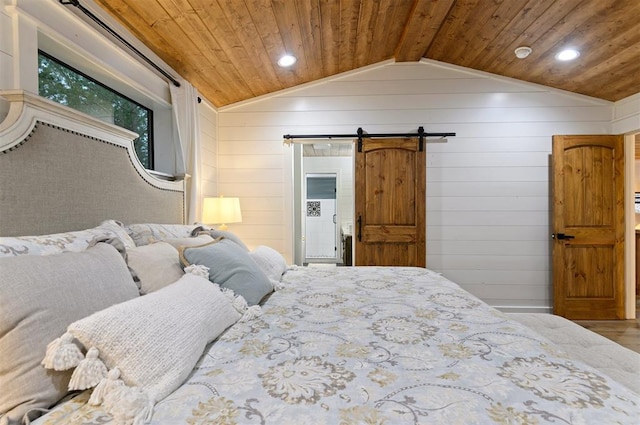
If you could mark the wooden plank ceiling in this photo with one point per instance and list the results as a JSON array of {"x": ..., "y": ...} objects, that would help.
[
  {"x": 228, "y": 49},
  {"x": 327, "y": 148}
]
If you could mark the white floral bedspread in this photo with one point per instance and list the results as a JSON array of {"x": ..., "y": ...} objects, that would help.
[{"x": 381, "y": 346}]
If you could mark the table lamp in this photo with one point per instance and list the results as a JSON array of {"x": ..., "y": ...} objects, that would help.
[{"x": 221, "y": 211}]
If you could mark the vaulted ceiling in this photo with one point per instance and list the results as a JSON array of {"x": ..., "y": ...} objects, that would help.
[{"x": 228, "y": 49}]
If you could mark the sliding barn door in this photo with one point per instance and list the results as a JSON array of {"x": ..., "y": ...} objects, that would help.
[
  {"x": 390, "y": 204},
  {"x": 588, "y": 227}
]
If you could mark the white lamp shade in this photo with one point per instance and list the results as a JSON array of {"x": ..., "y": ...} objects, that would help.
[{"x": 221, "y": 210}]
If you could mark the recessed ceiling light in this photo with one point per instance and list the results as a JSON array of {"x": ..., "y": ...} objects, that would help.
[
  {"x": 567, "y": 55},
  {"x": 522, "y": 52},
  {"x": 286, "y": 60}
]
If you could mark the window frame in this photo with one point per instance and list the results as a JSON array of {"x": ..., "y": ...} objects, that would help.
[{"x": 150, "y": 126}]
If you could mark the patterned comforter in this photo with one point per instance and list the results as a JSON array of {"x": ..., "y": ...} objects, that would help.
[{"x": 381, "y": 345}]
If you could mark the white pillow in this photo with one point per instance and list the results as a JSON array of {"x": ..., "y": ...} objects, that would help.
[
  {"x": 270, "y": 261},
  {"x": 156, "y": 265},
  {"x": 155, "y": 340},
  {"x": 191, "y": 241}
]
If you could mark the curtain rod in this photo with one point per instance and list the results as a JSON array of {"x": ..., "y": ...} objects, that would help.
[
  {"x": 362, "y": 135},
  {"x": 98, "y": 21}
]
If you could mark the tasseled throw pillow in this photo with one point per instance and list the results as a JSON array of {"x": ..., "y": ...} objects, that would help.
[{"x": 141, "y": 350}]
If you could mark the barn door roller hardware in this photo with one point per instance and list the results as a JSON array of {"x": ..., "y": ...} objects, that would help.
[{"x": 360, "y": 135}]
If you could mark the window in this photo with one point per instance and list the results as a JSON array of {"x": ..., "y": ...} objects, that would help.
[{"x": 63, "y": 84}]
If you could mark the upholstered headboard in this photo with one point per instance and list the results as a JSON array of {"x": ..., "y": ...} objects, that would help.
[{"x": 62, "y": 170}]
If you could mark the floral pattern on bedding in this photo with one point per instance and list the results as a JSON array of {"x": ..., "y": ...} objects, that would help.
[
  {"x": 381, "y": 346},
  {"x": 147, "y": 233},
  {"x": 60, "y": 242}
]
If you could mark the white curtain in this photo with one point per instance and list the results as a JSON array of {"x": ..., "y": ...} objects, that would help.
[{"x": 187, "y": 134}]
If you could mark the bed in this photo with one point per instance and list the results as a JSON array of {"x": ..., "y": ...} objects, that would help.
[
  {"x": 381, "y": 345},
  {"x": 154, "y": 341}
]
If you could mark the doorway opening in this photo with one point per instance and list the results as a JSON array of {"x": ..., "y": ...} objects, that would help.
[
  {"x": 318, "y": 166},
  {"x": 321, "y": 224}
]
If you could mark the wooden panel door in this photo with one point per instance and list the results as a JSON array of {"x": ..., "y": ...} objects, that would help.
[
  {"x": 588, "y": 227},
  {"x": 390, "y": 204}
]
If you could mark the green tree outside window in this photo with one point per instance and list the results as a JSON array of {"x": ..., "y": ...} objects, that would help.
[{"x": 67, "y": 86}]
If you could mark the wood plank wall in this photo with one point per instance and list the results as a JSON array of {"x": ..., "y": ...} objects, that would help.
[{"x": 487, "y": 189}]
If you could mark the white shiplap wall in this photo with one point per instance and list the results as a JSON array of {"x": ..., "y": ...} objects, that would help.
[
  {"x": 6, "y": 55},
  {"x": 626, "y": 115},
  {"x": 208, "y": 149},
  {"x": 487, "y": 188}
]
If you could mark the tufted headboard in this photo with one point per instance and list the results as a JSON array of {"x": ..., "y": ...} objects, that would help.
[{"x": 62, "y": 170}]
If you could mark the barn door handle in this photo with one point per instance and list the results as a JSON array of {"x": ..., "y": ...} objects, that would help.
[
  {"x": 359, "y": 228},
  {"x": 561, "y": 236}
]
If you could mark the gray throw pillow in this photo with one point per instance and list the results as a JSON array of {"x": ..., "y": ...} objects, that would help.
[
  {"x": 228, "y": 235},
  {"x": 40, "y": 296},
  {"x": 230, "y": 266}
]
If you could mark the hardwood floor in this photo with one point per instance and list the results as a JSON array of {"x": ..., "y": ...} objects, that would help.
[{"x": 624, "y": 332}]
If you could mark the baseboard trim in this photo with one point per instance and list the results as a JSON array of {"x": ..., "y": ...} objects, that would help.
[{"x": 524, "y": 309}]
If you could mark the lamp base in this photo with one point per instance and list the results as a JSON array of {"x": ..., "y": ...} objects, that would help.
[{"x": 223, "y": 227}]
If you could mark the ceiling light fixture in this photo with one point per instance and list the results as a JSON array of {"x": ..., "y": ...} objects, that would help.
[
  {"x": 567, "y": 55},
  {"x": 286, "y": 61},
  {"x": 522, "y": 52}
]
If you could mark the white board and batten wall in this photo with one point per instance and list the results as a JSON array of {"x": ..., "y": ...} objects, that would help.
[{"x": 488, "y": 224}]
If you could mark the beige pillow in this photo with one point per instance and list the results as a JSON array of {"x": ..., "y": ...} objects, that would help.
[
  {"x": 40, "y": 296},
  {"x": 156, "y": 265}
]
